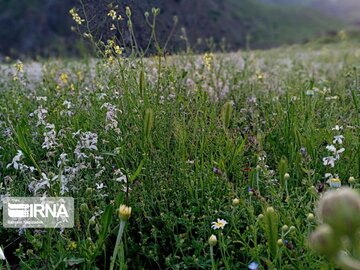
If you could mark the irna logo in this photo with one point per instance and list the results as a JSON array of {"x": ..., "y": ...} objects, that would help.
[{"x": 38, "y": 212}]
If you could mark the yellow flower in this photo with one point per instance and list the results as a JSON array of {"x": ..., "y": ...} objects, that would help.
[
  {"x": 208, "y": 59},
  {"x": 112, "y": 14},
  {"x": 124, "y": 212},
  {"x": 72, "y": 245},
  {"x": 64, "y": 78},
  {"x": 118, "y": 50},
  {"x": 335, "y": 182},
  {"x": 19, "y": 67},
  {"x": 75, "y": 16}
]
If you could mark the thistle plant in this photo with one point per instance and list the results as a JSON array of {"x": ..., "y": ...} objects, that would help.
[
  {"x": 338, "y": 237},
  {"x": 226, "y": 113},
  {"x": 271, "y": 228}
]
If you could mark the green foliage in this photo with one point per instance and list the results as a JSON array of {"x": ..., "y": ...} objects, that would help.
[{"x": 151, "y": 135}]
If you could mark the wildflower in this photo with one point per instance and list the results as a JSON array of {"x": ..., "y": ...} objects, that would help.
[
  {"x": 332, "y": 98},
  {"x": 334, "y": 182},
  {"x": 338, "y": 139},
  {"x": 64, "y": 78},
  {"x": 216, "y": 171},
  {"x": 15, "y": 162},
  {"x": 124, "y": 212},
  {"x": 208, "y": 59},
  {"x": 111, "y": 117},
  {"x": 329, "y": 161},
  {"x": 285, "y": 228},
  {"x": 75, "y": 16},
  {"x": 219, "y": 224},
  {"x": 340, "y": 209},
  {"x": 351, "y": 179},
  {"x": 72, "y": 245},
  {"x": 19, "y": 67},
  {"x": 331, "y": 148},
  {"x": 337, "y": 128},
  {"x": 100, "y": 186},
  {"x": 309, "y": 93},
  {"x": 112, "y": 14},
  {"x": 253, "y": 266},
  {"x": 212, "y": 240},
  {"x": 118, "y": 50},
  {"x": 310, "y": 217},
  {"x": 50, "y": 141},
  {"x": 324, "y": 241},
  {"x": 235, "y": 202},
  {"x": 303, "y": 151},
  {"x": 2, "y": 255}
]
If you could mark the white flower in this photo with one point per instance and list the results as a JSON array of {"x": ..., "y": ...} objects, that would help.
[
  {"x": 336, "y": 152},
  {"x": 331, "y": 148},
  {"x": 337, "y": 128},
  {"x": 338, "y": 139},
  {"x": 16, "y": 160},
  {"x": 219, "y": 224},
  {"x": 100, "y": 186},
  {"x": 309, "y": 93},
  {"x": 328, "y": 175},
  {"x": 2, "y": 255},
  {"x": 329, "y": 161}
]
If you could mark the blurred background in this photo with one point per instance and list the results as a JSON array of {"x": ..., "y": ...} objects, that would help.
[{"x": 42, "y": 28}]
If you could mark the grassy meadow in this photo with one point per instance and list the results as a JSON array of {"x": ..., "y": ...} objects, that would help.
[{"x": 221, "y": 157}]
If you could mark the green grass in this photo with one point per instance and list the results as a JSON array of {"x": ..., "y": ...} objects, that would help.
[{"x": 189, "y": 139}]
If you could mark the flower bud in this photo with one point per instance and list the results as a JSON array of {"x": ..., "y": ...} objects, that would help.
[
  {"x": 124, "y": 212},
  {"x": 351, "y": 180},
  {"x": 212, "y": 240},
  {"x": 280, "y": 242},
  {"x": 88, "y": 191},
  {"x": 310, "y": 217},
  {"x": 292, "y": 228},
  {"x": 84, "y": 207},
  {"x": 235, "y": 202},
  {"x": 285, "y": 228},
  {"x": 324, "y": 241},
  {"x": 260, "y": 216},
  {"x": 270, "y": 210},
  {"x": 340, "y": 209},
  {"x": 286, "y": 176},
  {"x": 128, "y": 11}
]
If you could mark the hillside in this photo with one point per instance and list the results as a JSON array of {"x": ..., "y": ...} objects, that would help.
[
  {"x": 348, "y": 10},
  {"x": 39, "y": 27}
]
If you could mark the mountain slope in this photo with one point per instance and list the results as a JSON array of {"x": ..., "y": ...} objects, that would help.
[
  {"x": 348, "y": 10},
  {"x": 238, "y": 21}
]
